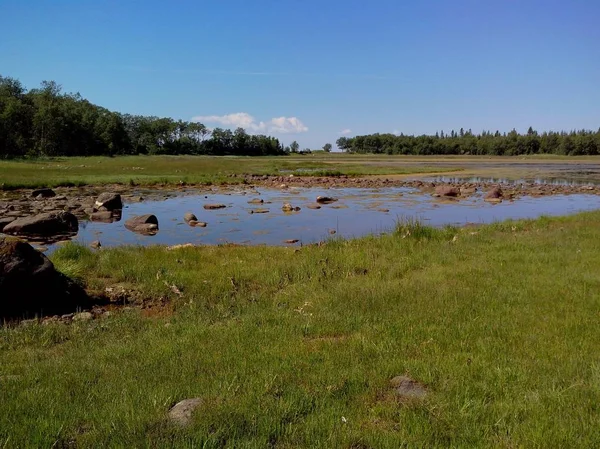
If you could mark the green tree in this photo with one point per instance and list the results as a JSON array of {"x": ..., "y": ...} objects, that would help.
[
  {"x": 327, "y": 147},
  {"x": 294, "y": 147}
]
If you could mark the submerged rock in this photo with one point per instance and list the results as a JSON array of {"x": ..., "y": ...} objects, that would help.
[
  {"x": 214, "y": 206},
  {"x": 30, "y": 285},
  {"x": 326, "y": 200},
  {"x": 46, "y": 224},
  {"x": 143, "y": 224}
]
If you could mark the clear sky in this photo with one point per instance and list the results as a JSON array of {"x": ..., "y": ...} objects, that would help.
[{"x": 315, "y": 70}]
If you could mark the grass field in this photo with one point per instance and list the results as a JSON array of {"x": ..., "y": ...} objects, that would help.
[
  {"x": 296, "y": 348},
  {"x": 149, "y": 170}
]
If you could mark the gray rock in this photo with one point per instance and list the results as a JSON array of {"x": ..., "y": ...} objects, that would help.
[
  {"x": 109, "y": 201},
  {"x": 83, "y": 316},
  {"x": 182, "y": 412},
  {"x": 407, "y": 388},
  {"x": 214, "y": 206},
  {"x": 46, "y": 224}
]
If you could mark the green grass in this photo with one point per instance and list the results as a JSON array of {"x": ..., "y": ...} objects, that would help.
[
  {"x": 150, "y": 170},
  {"x": 500, "y": 323}
]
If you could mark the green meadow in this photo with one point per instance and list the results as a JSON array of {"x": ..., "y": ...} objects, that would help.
[{"x": 295, "y": 348}]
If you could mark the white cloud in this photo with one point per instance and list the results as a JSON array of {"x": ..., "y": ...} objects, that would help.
[
  {"x": 346, "y": 131},
  {"x": 277, "y": 125}
]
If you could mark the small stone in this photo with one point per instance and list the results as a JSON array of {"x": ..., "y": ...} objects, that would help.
[
  {"x": 291, "y": 241},
  {"x": 189, "y": 217},
  {"x": 201, "y": 224},
  {"x": 95, "y": 244},
  {"x": 332, "y": 231},
  {"x": 256, "y": 201},
  {"x": 314, "y": 206},
  {"x": 83, "y": 316},
  {"x": 181, "y": 413},
  {"x": 407, "y": 388}
]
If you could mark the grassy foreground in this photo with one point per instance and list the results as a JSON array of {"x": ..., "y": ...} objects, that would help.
[
  {"x": 296, "y": 348},
  {"x": 149, "y": 170}
]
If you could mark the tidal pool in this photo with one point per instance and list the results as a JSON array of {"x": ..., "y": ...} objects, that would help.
[{"x": 356, "y": 213}]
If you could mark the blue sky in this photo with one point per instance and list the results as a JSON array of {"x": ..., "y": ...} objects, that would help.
[{"x": 312, "y": 71}]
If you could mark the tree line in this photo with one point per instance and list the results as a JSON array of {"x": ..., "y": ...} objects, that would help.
[
  {"x": 573, "y": 143},
  {"x": 47, "y": 122}
]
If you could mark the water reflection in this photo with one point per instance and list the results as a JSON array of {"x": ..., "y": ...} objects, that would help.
[{"x": 357, "y": 212}]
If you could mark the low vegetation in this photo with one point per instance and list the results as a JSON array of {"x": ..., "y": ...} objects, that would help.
[
  {"x": 175, "y": 170},
  {"x": 296, "y": 347}
]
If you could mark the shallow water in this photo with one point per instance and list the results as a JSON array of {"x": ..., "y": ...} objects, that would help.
[{"x": 358, "y": 212}]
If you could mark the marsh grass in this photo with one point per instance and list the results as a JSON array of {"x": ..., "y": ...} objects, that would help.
[
  {"x": 296, "y": 348},
  {"x": 165, "y": 170}
]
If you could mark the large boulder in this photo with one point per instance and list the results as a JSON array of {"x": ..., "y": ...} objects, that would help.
[
  {"x": 108, "y": 201},
  {"x": 30, "y": 285},
  {"x": 46, "y": 224},
  {"x": 143, "y": 224}
]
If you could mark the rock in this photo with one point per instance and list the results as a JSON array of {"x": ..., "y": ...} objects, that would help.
[
  {"x": 102, "y": 216},
  {"x": 181, "y": 413},
  {"x": 43, "y": 193},
  {"x": 109, "y": 201},
  {"x": 283, "y": 186},
  {"x": 407, "y": 388},
  {"x": 30, "y": 285},
  {"x": 201, "y": 224},
  {"x": 495, "y": 193},
  {"x": 332, "y": 231},
  {"x": 383, "y": 210},
  {"x": 326, "y": 200},
  {"x": 143, "y": 224},
  {"x": 46, "y": 224},
  {"x": 287, "y": 207},
  {"x": 4, "y": 221},
  {"x": 447, "y": 191},
  {"x": 259, "y": 211},
  {"x": 314, "y": 206},
  {"x": 291, "y": 241},
  {"x": 95, "y": 244},
  {"x": 83, "y": 316},
  {"x": 256, "y": 201},
  {"x": 189, "y": 217},
  {"x": 214, "y": 206}
]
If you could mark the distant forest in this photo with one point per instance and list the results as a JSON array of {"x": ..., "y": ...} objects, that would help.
[
  {"x": 574, "y": 143},
  {"x": 47, "y": 122}
]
